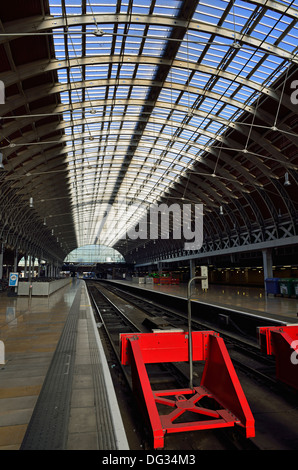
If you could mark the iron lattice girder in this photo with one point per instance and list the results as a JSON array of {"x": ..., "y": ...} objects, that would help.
[{"x": 249, "y": 242}]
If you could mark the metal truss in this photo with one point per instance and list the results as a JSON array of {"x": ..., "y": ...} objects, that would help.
[{"x": 189, "y": 103}]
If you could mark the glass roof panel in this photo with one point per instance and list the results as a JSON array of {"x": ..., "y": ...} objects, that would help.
[{"x": 148, "y": 92}]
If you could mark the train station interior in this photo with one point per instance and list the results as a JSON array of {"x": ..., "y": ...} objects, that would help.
[{"x": 143, "y": 144}]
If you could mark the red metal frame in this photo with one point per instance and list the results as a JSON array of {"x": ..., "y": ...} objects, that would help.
[
  {"x": 282, "y": 342},
  {"x": 219, "y": 382}
]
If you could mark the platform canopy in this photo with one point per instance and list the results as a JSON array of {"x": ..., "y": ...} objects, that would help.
[{"x": 114, "y": 106}]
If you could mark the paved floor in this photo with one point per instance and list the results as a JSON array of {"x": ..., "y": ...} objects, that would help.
[
  {"x": 251, "y": 299},
  {"x": 31, "y": 329}
]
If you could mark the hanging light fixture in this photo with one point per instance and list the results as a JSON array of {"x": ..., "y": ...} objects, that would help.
[
  {"x": 98, "y": 32},
  {"x": 31, "y": 202},
  {"x": 287, "y": 182},
  {"x": 221, "y": 210}
]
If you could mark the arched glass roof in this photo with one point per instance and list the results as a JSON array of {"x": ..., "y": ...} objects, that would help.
[
  {"x": 114, "y": 106},
  {"x": 148, "y": 91}
]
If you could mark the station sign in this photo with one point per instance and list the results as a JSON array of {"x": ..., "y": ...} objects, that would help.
[{"x": 13, "y": 279}]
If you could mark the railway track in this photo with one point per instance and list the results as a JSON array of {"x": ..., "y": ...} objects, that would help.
[
  {"x": 119, "y": 312},
  {"x": 245, "y": 353},
  {"x": 111, "y": 321}
]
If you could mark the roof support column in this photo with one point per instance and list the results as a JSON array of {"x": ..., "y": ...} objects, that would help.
[
  {"x": 159, "y": 267},
  {"x": 1, "y": 260},
  {"x": 267, "y": 263},
  {"x": 30, "y": 268},
  {"x": 25, "y": 265},
  {"x": 192, "y": 268},
  {"x": 33, "y": 264},
  {"x": 16, "y": 253}
]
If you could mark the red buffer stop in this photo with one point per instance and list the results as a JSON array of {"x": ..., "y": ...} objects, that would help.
[{"x": 219, "y": 382}]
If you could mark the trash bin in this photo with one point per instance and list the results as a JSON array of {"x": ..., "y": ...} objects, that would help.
[
  {"x": 272, "y": 285},
  {"x": 295, "y": 286},
  {"x": 286, "y": 286}
]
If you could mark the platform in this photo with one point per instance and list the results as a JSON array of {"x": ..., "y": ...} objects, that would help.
[
  {"x": 250, "y": 300},
  {"x": 54, "y": 361}
]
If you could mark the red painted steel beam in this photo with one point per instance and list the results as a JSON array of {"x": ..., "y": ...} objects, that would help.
[
  {"x": 282, "y": 342},
  {"x": 220, "y": 378},
  {"x": 143, "y": 392},
  {"x": 167, "y": 346}
]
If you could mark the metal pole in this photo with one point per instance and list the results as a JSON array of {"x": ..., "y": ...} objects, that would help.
[{"x": 189, "y": 328}]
